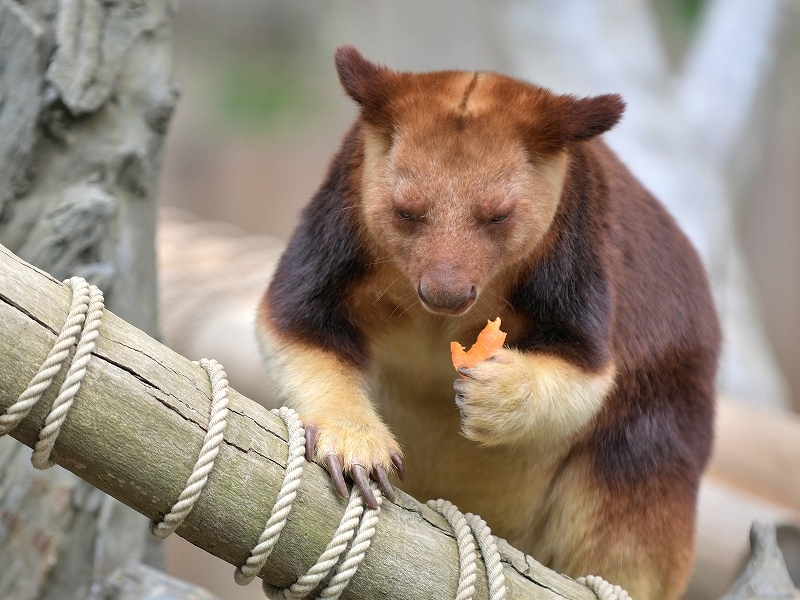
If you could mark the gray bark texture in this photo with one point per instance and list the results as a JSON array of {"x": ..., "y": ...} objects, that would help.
[
  {"x": 765, "y": 574},
  {"x": 139, "y": 582},
  {"x": 86, "y": 93},
  {"x": 137, "y": 426}
]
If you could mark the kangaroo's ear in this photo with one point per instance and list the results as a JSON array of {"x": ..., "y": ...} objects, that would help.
[
  {"x": 360, "y": 78},
  {"x": 369, "y": 84},
  {"x": 552, "y": 121},
  {"x": 588, "y": 117}
]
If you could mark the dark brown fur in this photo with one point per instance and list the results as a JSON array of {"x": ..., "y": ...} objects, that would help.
[
  {"x": 611, "y": 283},
  {"x": 321, "y": 264}
]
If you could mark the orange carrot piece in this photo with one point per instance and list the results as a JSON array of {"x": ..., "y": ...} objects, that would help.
[{"x": 489, "y": 341}]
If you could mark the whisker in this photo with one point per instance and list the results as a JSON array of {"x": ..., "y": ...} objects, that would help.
[
  {"x": 403, "y": 301},
  {"x": 484, "y": 301},
  {"x": 386, "y": 290},
  {"x": 338, "y": 210},
  {"x": 382, "y": 261},
  {"x": 496, "y": 295},
  {"x": 406, "y": 310},
  {"x": 486, "y": 304}
]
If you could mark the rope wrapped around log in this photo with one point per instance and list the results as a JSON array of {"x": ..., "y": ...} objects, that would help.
[{"x": 137, "y": 426}]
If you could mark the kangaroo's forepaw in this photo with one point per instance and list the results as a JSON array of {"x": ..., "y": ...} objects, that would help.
[
  {"x": 357, "y": 450},
  {"x": 494, "y": 398}
]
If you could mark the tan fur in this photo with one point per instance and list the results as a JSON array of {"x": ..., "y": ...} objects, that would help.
[
  {"x": 573, "y": 516},
  {"x": 441, "y": 462},
  {"x": 533, "y": 399},
  {"x": 329, "y": 395}
]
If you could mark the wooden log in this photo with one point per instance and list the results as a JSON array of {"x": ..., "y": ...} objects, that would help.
[{"x": 138, "y": 424}]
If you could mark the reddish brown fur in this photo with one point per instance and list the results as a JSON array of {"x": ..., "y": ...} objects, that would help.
[{"x": 587, "y": 270}]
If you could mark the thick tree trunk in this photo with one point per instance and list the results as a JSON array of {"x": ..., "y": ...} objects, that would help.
[
  {"x": 138, "y": 423},
  {"x": 86, "y": 93}
]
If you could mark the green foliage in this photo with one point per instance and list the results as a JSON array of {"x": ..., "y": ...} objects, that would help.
[
  {"x": 679, "y": 20},
  {"x": 688, "y": 11},
  {"x": 254, "y": 94}
]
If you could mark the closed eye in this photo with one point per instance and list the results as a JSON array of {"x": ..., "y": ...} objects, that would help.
[
  {"x": 406, "y": 216},
  {"x": 500, "y": 218}
]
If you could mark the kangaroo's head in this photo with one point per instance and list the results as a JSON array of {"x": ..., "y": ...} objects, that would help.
[{"x": 462, "y": 172}]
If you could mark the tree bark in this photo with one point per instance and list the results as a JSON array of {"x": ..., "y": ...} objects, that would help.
[
  {"x": 135, "y": 431},
  {"x": 86, "y": 92}
]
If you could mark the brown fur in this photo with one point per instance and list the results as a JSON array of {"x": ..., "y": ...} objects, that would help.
[{"x": 457, "y": 197}]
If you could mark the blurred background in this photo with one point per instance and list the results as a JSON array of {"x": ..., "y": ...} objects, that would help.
[
  {"x": 261, "y": 113},
  {"x": 712, "y": 128}
]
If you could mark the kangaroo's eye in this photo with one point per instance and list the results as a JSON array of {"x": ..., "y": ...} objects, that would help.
[
  {"x": 403, "y": 214},
  {"x": 500, "y": 218}
]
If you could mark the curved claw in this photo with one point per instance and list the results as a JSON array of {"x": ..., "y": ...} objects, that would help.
[
  {"x": 500, "y": 358},
  {"x": 311, "y": 441},
  {"x": 398, "y": 464},
  {"x": 360, "y": 478},
  {"x": 334, "y": 469},
  {"x": 460, "y": 405},
  {"x": 465, "y": 371},
  {"x": 379, "y": 475}
]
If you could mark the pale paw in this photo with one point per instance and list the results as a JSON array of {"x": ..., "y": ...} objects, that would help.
[
  {"x": 494, "y": 398},
  {"x": 356, "y": 449}
]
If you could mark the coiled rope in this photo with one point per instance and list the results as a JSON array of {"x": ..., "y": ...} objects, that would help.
[
  {"x": 86, "y": 308},
  {"x": 603, "y": 589},
  {"x": 341, "y": 538},
  {"x": 358, "y": 524},
  {"x": 468, "y": 529},
  {"x": 217, "y": 422}
]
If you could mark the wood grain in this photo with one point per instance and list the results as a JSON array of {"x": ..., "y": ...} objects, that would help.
[{"x": 135, "y": 431}]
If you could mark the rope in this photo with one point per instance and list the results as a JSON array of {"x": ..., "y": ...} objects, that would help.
[
  {"x": 358, "y": 523},
  {"x": 72, "y": 383},
  {"x": 208, "y": 453},
  {"x": 491, "y": 556},
  {"x": 603, "y": 589},
  {"x": 52, "y": 364},
  {"x": 83, "y": 319},
  {"x": 283, "y": 505},
  {"x": 355, "y": 517},
  {"x": 467, "y": 555},
  {"x": 358, "y": 550},
  {"x": 341, "y": 538}
]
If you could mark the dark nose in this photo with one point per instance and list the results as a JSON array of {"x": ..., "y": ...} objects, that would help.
[{"x": 449, "y": 299}]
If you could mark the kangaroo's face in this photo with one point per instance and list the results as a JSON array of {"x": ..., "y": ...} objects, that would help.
[
  {"x": 456, "y": 208},
  {"x": 462, "y": 172}
]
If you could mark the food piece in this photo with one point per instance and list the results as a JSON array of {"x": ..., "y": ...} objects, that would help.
[{"x": 489, "y": 341}]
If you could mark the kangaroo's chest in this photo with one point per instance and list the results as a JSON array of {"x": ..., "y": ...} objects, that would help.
[{"x": 411, "y": 384}]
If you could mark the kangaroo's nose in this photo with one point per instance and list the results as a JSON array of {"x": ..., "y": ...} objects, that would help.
[{"x": 446, "y": 297}]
